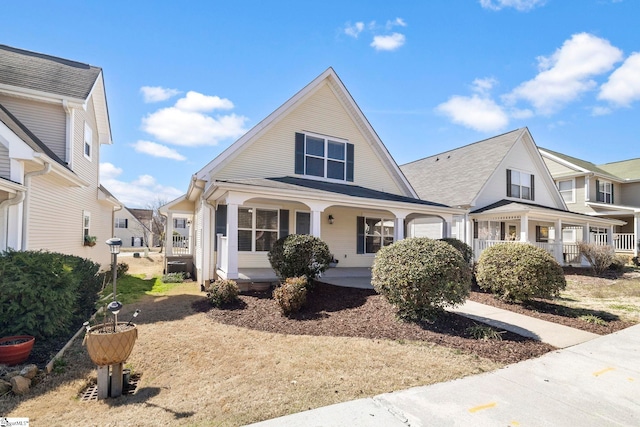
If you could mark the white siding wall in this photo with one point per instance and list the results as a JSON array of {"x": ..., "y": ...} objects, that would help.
[
  {"x": 134, "y": 229},
  {"x": 46, "y": 121},
  {"x": 273, "y": 154},
  {"x": 5, "y": 163}
]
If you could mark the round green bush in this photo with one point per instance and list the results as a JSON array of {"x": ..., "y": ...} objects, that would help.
[
  {"x": 299, "y": 255},
  {"x": 222, "y": 292},
  {"x": 291, "y": 295},
  {"x": 421, "y": 277},
  {"x": 464, "y": 249},
  {"x": 519, "y": 272}
]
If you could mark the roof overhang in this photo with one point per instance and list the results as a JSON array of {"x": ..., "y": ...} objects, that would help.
[
  {"x": 607, "y": 209},
  {"x": 10, "y": 186},
  {"x": 181, "y": 205}
]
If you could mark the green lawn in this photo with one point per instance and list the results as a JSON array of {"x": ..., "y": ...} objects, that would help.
[{"x": 131, "y": 288}]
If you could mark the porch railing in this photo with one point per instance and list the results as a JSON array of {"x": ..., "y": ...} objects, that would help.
[
  {"x": 222, "y": 260},
  {"x": 180, "y": 245},
  {"x": 570, "y": 252},
  {"x": 624, "y": 242}
]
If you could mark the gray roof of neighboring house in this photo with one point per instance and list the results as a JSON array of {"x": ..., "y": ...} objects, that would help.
[
  {"x": 456, "y": 177},
  {"x": 27, "y": 136},
  {"x": 294, "y": 183},
  {"x": 626, "y": 169},
  {"x": 45, "y": 73},
  {"x": 592, "y": 167}
]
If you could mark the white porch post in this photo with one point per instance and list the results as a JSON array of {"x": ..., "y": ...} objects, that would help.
[
  {"x": 524, "y": 228},
  {"x": 610, "y": 237},
  {"x": 398, "y": 229},
  {"x": 558, "y": 242},
  {"x": 468, "y": 230},
  {"x": 316, "y": 220},
  {"x": 636, "y": 228},
  {"x": 205, "y": 243},
  {"x": 232, "y": 241},
  {"x": 168, "y": 239}
]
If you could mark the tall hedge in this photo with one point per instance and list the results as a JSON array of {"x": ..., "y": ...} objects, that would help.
[{"x": 421, "y": 277}]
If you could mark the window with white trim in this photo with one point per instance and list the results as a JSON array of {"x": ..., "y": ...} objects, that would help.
[
  {"x": 86, "y": 223},
  {"x": 604, "y": 191},
  {"x": 519, "y": 185},
  {"x": 303, "y": 222},
  {"x": 378, "y": 232},
  {"x": 325, "y": 158},
  {"x": 567, "y": 190},
  {"x": 121, "y": 223},
  {"x": 179, "y": 223},
  {"x": 88, "y": 140},
  {"x": 257, "y": 229}
]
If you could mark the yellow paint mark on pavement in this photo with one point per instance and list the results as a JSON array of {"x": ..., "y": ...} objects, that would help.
[
  {"x": 483, "y": 407},
  {"x": 604, "y": 371},
  {"x": 631, "y": 379},
  {"x": 514, "y": 423}
]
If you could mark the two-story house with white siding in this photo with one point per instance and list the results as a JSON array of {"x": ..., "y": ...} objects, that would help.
[
  {"x": 610, "y": 190},
  {"x": 134, "y": 227},
  {"x": 314, "y": 166},
  {"x": 53, "y": 120},
  {"x": 509, "y": 196}
]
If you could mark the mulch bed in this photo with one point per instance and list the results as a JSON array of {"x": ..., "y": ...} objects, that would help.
[{"x": 348, "y": 312}]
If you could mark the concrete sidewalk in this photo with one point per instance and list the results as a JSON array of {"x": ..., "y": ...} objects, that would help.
[{"x": 596, "y": 383}]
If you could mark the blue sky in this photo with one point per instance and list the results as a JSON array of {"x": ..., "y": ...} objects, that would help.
[{"x": 186, "y": 79}]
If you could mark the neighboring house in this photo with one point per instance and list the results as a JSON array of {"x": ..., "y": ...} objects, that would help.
[
  {"x": 133, "y": 226},
  {"x": 53, "y": 119},
  {"x": 610, "y": 190},
  {"x": 509, "y": 195},
  {"x": 314, "y": 166}
]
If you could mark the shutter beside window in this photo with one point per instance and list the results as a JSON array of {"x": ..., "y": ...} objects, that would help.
[
  {"x": 532, "y": 188},
  {"x": 598, "y": 194},
  {"x": 350, "y": 158},
  {"x": 126, "y": 223},
  {"x": 299, "y": 160},
  {"x": 132, "y": 240},
  {"x": 360, "y": 235},
  {"x": 502, "y": 231},
  {"x": 612, "y": 193},
  {"x": 284, "y": 223},
  {"x": 538, "y": 236},
  {"x": 475, "y": 229},
  {"x": 508, "y": 182},
  {"x": 221, "y": 223}
]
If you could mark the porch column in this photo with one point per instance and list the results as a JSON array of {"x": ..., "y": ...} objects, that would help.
[
  {"x": 524, "y": 228},
  {"x": 316, "y": 220},
  {"x": 610, "y": 237},
  {"x": 168, "y": 238},
  {"x": 468, "y": 230},
  {"x": 586, "y": 237},
  {"x": 232, "y": 241},
  {"x": 636, "y": 228},
  {"x": 398, "y": 229},
  {"x": 558, "y": 250}
]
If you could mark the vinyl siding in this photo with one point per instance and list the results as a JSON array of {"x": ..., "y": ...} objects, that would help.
[
  {"x": 5, "y": 163},
  {"x": 630, "y": 194},
  {"x": 85, "y": 169},
  {"x": 272, "y": 155},
  {"x": 134, "y": 229},
  {"x": 46, "y": 121},
  {"x": 556, "y": 168}
]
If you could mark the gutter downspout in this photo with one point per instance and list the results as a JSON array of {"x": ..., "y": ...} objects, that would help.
[
  {"x": 25, "y": 205},
  {"x": 70, "y": 119},
  {"x": 19, "y": 198}
]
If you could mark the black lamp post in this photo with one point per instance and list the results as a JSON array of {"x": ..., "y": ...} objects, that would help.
[{"x": 114, "y": 306}]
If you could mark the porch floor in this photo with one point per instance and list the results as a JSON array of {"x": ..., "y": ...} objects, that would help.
[{"x": 350, "y": 277}]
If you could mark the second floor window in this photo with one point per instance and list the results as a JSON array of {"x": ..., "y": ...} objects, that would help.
[
  {"x": 520, "y": 185},
  {"x": 604, "y": 191},
  {"x": 88, "y": 141},
  {"x": 566, "y": 190},
  {"x": 324, "y": 157}
]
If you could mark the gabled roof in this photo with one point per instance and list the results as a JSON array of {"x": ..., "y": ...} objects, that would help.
[
  {"x": 456, "y": 177},
  {"x": 575, "y": 163},
  {"x": 626, "y": 169},
  {"x": 345, "y": 97},
  {"x": 45, "y": 73}
]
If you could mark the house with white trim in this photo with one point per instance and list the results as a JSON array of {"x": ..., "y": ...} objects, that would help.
[
  {"x": 509, "y": 195},
  {"x": 610, "y": 190},
  {"x": 53, "y": 120},
  {"x": 315, "y": 166},
  {"x": 133, "y": 227}
]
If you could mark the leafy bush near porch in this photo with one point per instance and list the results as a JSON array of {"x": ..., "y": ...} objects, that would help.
[
  {"x": 600, "y": 257},
  {"x": 177, "y": 277},
  {"x": 464, "y": 249},
  {"x": 43, "y": 293},
  {"x": 299, "y": 255},
  {"x": 222, "y": 292},
  {"x": 519, "y": 272},
  {"x": 420, "y": 277},
  {"x": 291, "y": 295}
]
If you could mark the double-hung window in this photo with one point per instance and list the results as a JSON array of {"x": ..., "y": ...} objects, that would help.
[
  {"x": 121, "y": 223},
  {"x": 604, "y": 191},
  {"x": 324, "y": 157},
  {"x": 378, "y": 232},
  {"x": 88, "y": 141},
  {"x": 257, "y": 229},
  {"x": 566, "y": 189},
  {"x": 179, "y": 223},
  {"x": 86, "y": 223},
  {"x": 520, "y": 185}
]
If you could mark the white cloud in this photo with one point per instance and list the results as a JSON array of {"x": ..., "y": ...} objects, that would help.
[
  {"x": 623, "y": 86},
  {"x": 157, "y": 150},
  {"x": 390, "y": 42},
  {"x": 398, "y": 22},
  {"x": 483, "y": 86},
  {"x": 354, "y": 30},
  {"x": 185, "y": 124},
  {"x": 475, "y": 112},
  {"x": 194, "y": 101},
  {"x": 567, "y": 74},
  {"x": 157, "y": 93},
  {"x": 600, "y": 111},
  {"x": 139, "y": 193},
  {"x": 520, "y": 5}
]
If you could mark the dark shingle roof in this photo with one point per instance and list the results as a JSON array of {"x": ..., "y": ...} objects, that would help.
[
  {"x": 45, "y": 73},
  {"x": 294, "y": 183}
]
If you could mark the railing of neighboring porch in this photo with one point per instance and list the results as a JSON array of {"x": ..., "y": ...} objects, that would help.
[
  {"x": 180, "y": 245},
  {"x": 570, "y": 252},
  {"x": 622, "y": 242}
]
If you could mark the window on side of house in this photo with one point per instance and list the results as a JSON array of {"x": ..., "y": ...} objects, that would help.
[
  {"x": 257, "y": 229},
  {"x": 88, "y": 141},
  {"x": 542, "y": 233},
  {"x": 86, "y": 224},
  {"x": 122, "y": 223},
  {"x": 179, "y": 223},
  {"x": 520, "y": 185},
  {"x": 604, "y": 191},
  {"x": 324, "y": 157},
  {"x": 567, "y": 190},
  {"x": 378, "y": 232}
]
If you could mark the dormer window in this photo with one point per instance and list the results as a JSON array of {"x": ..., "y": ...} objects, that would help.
[
  {"x": 323, "y": 157},
  {"x": 520, "y": 185}
]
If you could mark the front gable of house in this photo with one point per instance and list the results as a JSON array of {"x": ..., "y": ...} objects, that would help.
[
  {"x": 521, "y": 176},
  {"x": 318, "y": 134}
]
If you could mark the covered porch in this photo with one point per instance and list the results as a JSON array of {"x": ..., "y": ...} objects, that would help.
[{"x": 626, "y": 239}]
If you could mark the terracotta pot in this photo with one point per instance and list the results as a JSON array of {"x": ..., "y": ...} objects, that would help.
[
  {"x": 14, "y": 354},
  {"x": 106, "y": 347}
]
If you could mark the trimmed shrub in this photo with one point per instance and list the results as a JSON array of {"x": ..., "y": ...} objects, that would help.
[
  {"x": 177, "y": 277},
  {"x": 600, "y": 257},
  {"x": 299, "y": 255},
  {"x": 421, "y": 276},
  {"x": 519, "y": 272},
  {"x": 222, "y": 292},
  {"x": 464, "y": 249},
  {"x": 291, "y": 295}
]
